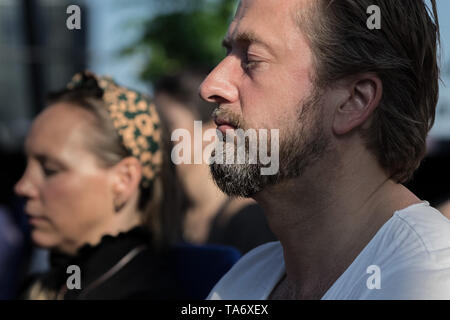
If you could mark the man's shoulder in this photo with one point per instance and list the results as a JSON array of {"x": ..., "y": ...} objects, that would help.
[
  {"x": 417, "y": 263},
  {"x": 253, "y": 276},
  {"x": 428, "y": 225},
  {"x": 419, "y": 234},
  {"x": 411, "y": 254}
]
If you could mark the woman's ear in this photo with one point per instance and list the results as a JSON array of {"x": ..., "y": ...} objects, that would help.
[
  {"x": 365, "y": 92},
  {"x": 127, "y": 175}
]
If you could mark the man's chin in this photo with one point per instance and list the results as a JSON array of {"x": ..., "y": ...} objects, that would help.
[{"x": 241, "y": 180}]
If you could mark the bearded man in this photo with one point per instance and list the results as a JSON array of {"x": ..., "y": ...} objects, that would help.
[{"x": 353, "y": 106}]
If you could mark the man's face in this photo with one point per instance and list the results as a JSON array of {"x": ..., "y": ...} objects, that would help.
[{"x": 265, "y": 82}]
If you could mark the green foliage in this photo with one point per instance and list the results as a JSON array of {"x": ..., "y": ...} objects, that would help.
[{"x": 189, "y": 35}]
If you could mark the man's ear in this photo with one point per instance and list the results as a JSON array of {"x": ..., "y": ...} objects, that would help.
[
  {"x": 127, "y": 176},
  {"x": 364, "y": 95}
]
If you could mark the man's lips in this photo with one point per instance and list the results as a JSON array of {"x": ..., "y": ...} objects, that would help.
[{"x": 223, "y": 125}]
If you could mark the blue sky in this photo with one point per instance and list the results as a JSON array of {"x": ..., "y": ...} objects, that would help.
[{"x": 442, "y": 125}]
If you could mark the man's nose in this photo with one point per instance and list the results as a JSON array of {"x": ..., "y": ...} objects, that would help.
[{"x": 220, "y": 85}]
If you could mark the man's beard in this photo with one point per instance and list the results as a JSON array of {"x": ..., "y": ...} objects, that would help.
[{"x": 304, "y": 144}]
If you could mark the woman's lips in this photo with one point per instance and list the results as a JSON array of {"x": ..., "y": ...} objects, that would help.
[{"x": 36, "y": 220}]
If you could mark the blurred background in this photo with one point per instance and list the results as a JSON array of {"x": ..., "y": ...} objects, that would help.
[{"x": 137, "y": 42}]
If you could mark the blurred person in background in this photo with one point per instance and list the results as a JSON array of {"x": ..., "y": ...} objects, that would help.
[
  {"x": 13, "y": 247},
  {"x": 212, "y": 217},
  {"x": 178, "y": 62},
  {"x": 100, "y": 194}
]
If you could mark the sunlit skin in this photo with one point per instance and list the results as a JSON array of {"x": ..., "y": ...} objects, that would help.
[
  {"x": 240, "y": 83},
  {"x": 325, "y": 217},
  {"x": 69, "y": 194},
  {"x": 445, "y": 209}
]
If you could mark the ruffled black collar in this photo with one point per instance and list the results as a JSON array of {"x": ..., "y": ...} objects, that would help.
[
  {"x": 107, "y": 244},
  {"x": 124, "y": 240},
  {"x": 95, "y": 260}
]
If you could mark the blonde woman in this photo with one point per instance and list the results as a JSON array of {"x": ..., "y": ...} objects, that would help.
[{"x": 96, "y": 186}]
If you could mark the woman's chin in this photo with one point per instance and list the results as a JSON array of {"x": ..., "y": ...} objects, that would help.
[{"x": 43, "y": 239}]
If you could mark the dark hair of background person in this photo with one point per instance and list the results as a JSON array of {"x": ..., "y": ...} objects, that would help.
[
  {"x": 403, "y": 53},
  {"x": 183, "y": 87},
  {"x": 162, "y": 204}
]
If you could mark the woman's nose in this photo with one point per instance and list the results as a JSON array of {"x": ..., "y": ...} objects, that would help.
[{"x": 25, "y": 187}]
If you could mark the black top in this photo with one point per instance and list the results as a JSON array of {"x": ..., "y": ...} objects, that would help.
[
  {"x": 121, "y": 267},
  {"x": 245, "y": 230}
]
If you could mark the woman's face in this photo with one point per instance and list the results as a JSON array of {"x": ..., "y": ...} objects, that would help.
[{"x": 69, "y": 195}]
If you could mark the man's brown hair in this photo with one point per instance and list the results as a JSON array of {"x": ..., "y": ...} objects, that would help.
[{"x": 403, "y": 53}]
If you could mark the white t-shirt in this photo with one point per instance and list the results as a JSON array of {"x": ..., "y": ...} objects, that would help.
[{"x": 409, "y": 258}]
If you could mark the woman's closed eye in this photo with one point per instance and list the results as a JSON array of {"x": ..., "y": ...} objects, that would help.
[
  {"x": 48, "y": 166},
  {"x": 48, "y": 172}
]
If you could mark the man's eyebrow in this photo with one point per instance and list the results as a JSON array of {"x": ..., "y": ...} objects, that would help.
[{"x": 246, "y": 37}]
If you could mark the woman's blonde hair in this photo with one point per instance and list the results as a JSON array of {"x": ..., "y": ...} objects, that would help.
[{"x": 161, "y": 204}]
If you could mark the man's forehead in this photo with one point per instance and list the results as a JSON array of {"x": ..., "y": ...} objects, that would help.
[
  {"x": 263, "y": 21},
  {"x": 270, "y": 7}
]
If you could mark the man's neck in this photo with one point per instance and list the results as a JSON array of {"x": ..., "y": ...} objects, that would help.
[{"x": 323, "y": 223}]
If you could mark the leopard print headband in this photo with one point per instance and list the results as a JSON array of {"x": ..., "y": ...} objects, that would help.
[{"x": 136, "y": 120}]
